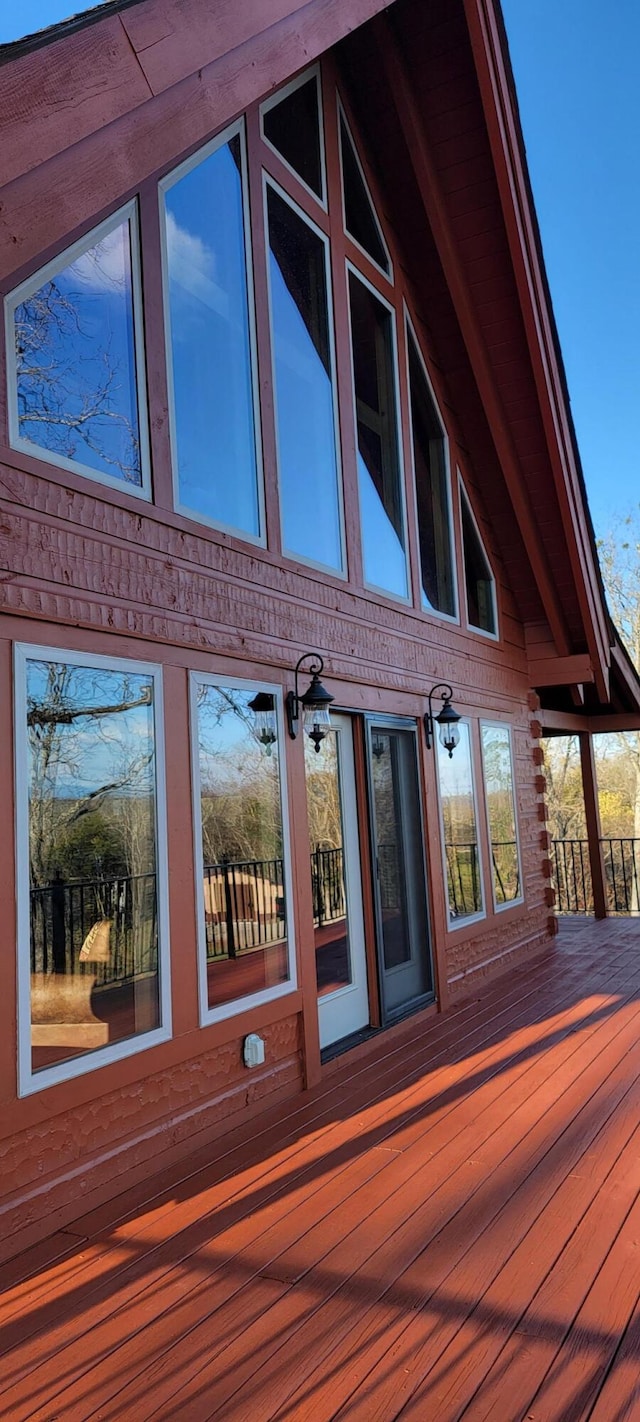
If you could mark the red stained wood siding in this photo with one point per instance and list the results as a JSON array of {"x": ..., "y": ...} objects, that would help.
[{"x": 94, "y": 569}]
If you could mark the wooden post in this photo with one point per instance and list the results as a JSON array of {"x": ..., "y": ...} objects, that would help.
[{"x": 592, "y": 814}]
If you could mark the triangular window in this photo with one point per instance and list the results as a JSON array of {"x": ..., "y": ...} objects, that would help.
[
  {"x": 479, "y": 580},
  {"x": 291, "y": 125},
  {"x": 75, "y": 377},
  {"x": 360, "y": 217}
]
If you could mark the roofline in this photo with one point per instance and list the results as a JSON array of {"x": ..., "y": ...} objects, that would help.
[
  {"x": 497, "y": 89},
  {"x": 28, "y": 43}
]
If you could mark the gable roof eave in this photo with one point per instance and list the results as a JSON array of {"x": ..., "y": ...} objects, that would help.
[{"x": 495, "y": 78}]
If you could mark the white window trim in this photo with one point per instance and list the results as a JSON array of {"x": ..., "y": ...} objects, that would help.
[
  {"x": 242, "y": 1004},
  {"x": 452, "y": 617},
  {"x": 502, "y": 726},
  {"x": 258, "y": 539},
  {"x": 453, "y": 923},
  {"x": 28, "y": 1080},
  {"x": 341, "y": 572},
  {"x": 129, "y": 214},
  {"x": 405, "y": 600},
  {"x": 388, "y": 276},
  {"x": 272, "y": 103},
  {"x": 479, "y": 631}
]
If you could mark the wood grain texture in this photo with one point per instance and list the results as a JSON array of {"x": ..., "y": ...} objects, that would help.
[
  {"x": 449, "y": 1224},
  {"x": 55, "y": 96}
]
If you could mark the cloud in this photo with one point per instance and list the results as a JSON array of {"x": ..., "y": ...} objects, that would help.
[
  {"x": 192, "y": 267},
  {"x": 106, "y": 266}
]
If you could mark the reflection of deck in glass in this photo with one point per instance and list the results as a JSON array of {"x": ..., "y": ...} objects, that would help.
[{"x": 68, "y": 919}]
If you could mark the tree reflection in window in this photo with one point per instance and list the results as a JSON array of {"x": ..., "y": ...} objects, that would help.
[
  {"x": 75, "y": 360},
  {"x": 501, "y": 811},
  {"x": 243, "y": 908},
  {"x": 92, "y": 857},
  {"x": 464, "y": 881}
]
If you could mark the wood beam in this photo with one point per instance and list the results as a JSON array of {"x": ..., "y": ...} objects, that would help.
[
  {"x": 594, "y": 830},
  {"x": 506, "y": 147},
  {"x": 430, "y": 189},
  {"x": 561, "y": 671},
  {"x": 570, "y": 723},
  {"x": 561, "y": 723}
]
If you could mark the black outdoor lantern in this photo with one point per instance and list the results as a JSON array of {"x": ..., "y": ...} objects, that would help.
[
  {"x": 263, "y": 706},
  {"x": 315, "y": 703},
  {"x": 447, "y": 719}
]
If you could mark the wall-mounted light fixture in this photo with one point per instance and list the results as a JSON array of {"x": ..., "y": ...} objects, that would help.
[
  {"x": 315, "y": 703},
  {"x": 263, "y": 706},
  {"x": 447, "y": 719}
]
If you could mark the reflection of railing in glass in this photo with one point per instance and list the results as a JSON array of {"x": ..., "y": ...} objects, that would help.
[
  {"x": 243, "y": 906},
  {"x": 65, "y": 914},
  {"x": 506, "y": 870},
  {"x": 327, "y": 882},
  {"x": 463, "y": 879}
]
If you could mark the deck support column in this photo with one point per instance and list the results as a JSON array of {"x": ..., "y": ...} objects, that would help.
[{"x": 592, "y": 815}]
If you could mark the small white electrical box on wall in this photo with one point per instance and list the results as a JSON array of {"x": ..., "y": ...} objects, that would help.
[{"x": 253, "y": 1051}]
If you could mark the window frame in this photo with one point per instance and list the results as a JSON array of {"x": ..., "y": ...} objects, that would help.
[
  {"x": 29, "y": 1081},
  {"x": 404, "y": 599},
  {"x": 128, "y": 213},
  {"x": 451, "y": 617},
  {"x": 389, "y": 276},
  {"x": 479, "y": 631},
  {"x": 342, "y": 572},
  {"x": 313, "y": 72},
  {"x": 494, "y": 724},
  {"x": 455, "y": 924},
  {"x": 170, "y": 179},
  {"x": 240, "y": 1005}
]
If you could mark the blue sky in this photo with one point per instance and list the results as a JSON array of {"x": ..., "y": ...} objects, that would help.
[
  {"x": 27, "y": 18},
  {"x": 576, "y": 71}
]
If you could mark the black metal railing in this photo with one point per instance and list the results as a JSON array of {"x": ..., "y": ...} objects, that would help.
[
  {"x": 108, "y": 928},
  {"x": 243, "y": 905},
  {"x": 463, "y": 879},
  {"x": 327, "y": 882},
  {"x": 572, "y": 875}
]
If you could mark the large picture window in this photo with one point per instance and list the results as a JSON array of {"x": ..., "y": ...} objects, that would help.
[
  {"x": 432, "y": 490},
  {"x": 479, "y": 580},
  {"x": 379, "y": 468},
  {"x": 240, "y": 846},
  {"x": 75, "y": 359},
  {"x": 497, "y": 762},
  {"x": 460, "y": 829},
  {"x": 210, "y": 338},
  {"x": 92, "y": 914},
  {"x": 304, "y": 386}
]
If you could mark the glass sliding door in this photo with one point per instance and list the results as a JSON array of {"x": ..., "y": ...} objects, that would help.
[{"x": 404, "y": 954}]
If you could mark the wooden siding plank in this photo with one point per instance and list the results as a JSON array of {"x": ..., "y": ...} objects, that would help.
[{"x": 55, "y": 96}]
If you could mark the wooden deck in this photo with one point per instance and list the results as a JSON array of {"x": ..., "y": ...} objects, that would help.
[{"x": 448, "y": 1228}]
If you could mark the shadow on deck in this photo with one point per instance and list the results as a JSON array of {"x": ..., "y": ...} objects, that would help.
[{"x": 447, "y": 1228}]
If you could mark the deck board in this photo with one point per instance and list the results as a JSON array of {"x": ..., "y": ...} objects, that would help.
[{"x": 446, "y": 1228}]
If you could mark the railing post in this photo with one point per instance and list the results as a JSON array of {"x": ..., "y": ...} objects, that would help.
[
  {"x": 58, "y": 928},
  {"x": 592, "y": 815},
  {"x": 228, "y": 911}
]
